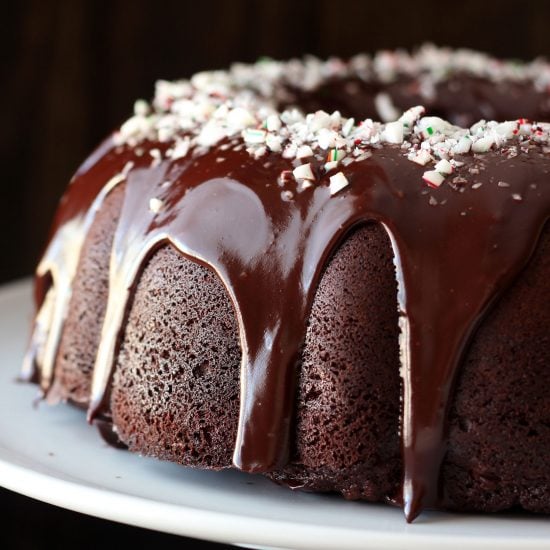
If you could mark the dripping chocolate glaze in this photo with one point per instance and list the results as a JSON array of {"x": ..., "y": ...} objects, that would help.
[
  {"x": 453, "y": 260},
  {"x": 55, "y": 272}
]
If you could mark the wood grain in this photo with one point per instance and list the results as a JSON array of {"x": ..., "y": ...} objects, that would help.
[{"x": 70, "y": 70}]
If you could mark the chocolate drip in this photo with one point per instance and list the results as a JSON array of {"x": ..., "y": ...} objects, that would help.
[
  {"x": 268, "y": 257},
  {"x": 452, "y": 261},
  {"x": 55, "y": 272},
  {"x": 455, "y": 250}
]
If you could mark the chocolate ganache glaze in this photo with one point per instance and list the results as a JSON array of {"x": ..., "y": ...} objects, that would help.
[{"x": 268, "y": 227}]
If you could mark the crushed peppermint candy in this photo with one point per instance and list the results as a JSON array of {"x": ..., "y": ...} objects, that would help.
[
  {"x": 337, "y": 183},
  {"x": 393, "y": 132},
  {"x": 304, "y": 151},
  {"x": 433, "y": 178},
  {"x": 335, "y": 155},
  {"x": 157, "y": 157},
  {"x": 421, "y": 157},
  {"x": 155, "y": 205},
  {"x": 444, "y": 167},
  {"x": 304, "y": 172},
  {"x": 236, "y": 109},
  {"x": 252, "y": 135},
  {"x": 181, "y": 148},
  {"x": 385, "y": 107}
]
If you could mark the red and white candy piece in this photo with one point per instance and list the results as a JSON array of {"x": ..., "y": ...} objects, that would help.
[{"x": 433, "y": 178}]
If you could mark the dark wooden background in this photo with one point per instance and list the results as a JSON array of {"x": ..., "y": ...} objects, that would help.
[{"x": 70, "y": 71}]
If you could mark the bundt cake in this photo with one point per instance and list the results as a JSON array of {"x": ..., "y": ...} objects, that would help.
[{"x": 254, "y": 273}]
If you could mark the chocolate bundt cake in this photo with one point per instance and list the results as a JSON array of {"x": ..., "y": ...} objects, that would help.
[{"x": 254, "y": 273}]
